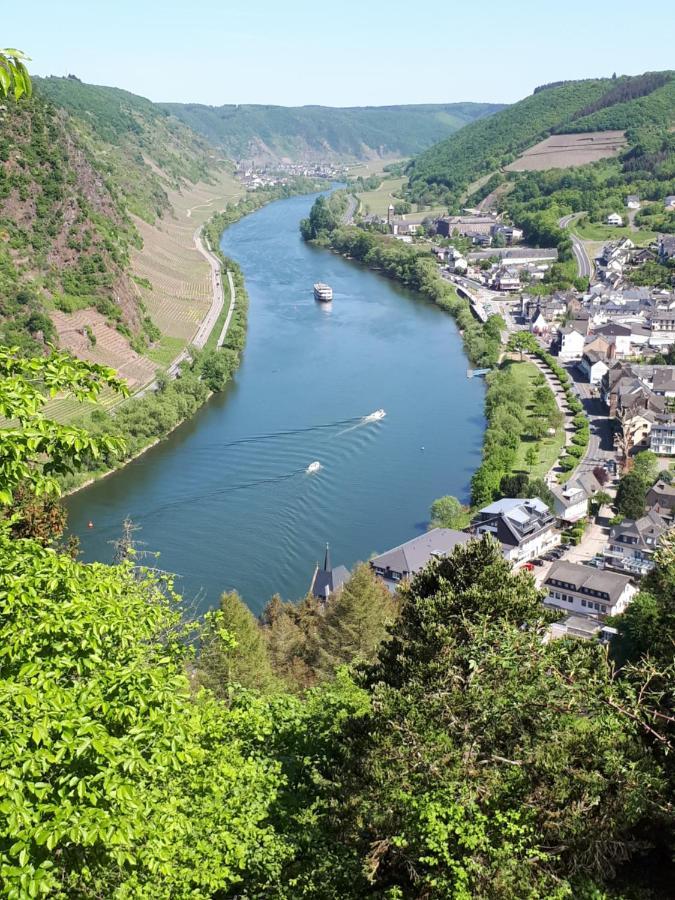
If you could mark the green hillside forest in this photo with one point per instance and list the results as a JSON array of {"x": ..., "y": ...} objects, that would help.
[
  {"x": 320, "y": 132},
  {"x": 642, "y": 105}
]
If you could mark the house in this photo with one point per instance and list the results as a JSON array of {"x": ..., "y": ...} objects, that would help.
[
  {"x": 510, "y": 233},
  {"x": 669, "y": 202},
  {"x": 633, "y": 201},
  {"x": 456, "y": 260},
  {"x": 586, "y": 591},
  {"x": 571, "y": 502},
  {"x": 463, "y": 225},
  {"x": 662, "y": 320},
  {"x": 401, "y": 227},
  {"x": 569, "y": 343},
  {"x": 662, "y": 434},
  {"x": 614, "y": 219},
  {"x": 507, "y": 279},
  {"x": 402, "y": 562},
  {"x": 524, "y": 527},
  {"x": 594, "y": 365},
  {"x": 620, "y": 336},
  {"x": 328, "y": 581},
  {"x": 661, "y": 498},
  {"x": 632, "y": 544},
  {"x": 538, "y": 323},
  {"x": 667, "y": 249}
]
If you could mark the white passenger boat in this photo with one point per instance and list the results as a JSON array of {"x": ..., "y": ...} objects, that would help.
[{"x": 323, "y": 292}]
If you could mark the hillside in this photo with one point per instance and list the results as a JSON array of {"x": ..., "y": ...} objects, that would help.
[
  {"x": 141, "y": 148},
  {"x": 268, "y": 133},
  {"x": 92, "y": 181},
  {"x": 633, "y": 104}
]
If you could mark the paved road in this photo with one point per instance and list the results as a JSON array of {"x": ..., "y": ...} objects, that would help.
[
  {"x": 348, "y": 216},
  {"x": 601, "y": 442},
  {"x": 228, "y": 318},
  {"x": 584, "y": 264}
]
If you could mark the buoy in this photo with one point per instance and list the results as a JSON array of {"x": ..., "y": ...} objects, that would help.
[{"x": 90, "y": 524}]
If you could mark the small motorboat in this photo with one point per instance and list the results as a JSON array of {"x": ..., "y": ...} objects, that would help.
[
  {"x": 313, "y": 467},
  {"x": 378, "y": 414}
]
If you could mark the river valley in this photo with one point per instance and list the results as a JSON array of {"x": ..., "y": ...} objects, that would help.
[{"x": 227, "y": 501}]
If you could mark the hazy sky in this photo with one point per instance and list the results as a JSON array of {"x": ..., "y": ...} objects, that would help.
[{"x": 348, "y": 52}]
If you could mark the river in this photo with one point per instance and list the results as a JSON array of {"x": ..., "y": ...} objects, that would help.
[{"x": 226, "y": 500}]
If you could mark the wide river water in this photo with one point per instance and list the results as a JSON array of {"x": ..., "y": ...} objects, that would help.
[{"x": 226, "y": 499}]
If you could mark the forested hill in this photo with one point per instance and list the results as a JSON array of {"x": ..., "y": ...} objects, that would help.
[
  {"x": 639, "y": 105},
  {"x": 141, "y": 148},
  {"x": 268, "y": 133}
]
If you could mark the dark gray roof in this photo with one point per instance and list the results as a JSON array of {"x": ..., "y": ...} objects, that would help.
[
  {"x": 664, "y": 378},
  {"x": 580, "y": 576},
  {"x": 408, "y": 558},
  {"x": 327, "y": 582},
  {"x": 651, "y": 526},
  {"x": 613, "y": 328}
]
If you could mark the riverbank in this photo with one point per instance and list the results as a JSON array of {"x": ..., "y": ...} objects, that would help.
[
  {"x": 144, "y": 421},
  {"x": 525, "y": 428},
  {"x": 417, "y": 269}
]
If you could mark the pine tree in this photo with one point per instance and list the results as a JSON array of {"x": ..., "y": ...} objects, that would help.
[
  {"x": 234, "y": 650},
  {"x": 355, "y": 622},
  {"x": 290, "y": 633}
]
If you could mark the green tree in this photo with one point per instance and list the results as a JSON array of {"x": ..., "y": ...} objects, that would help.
[
  {"x": 630, "y": 495},
  {"x": 522, "y": 341},
  {"x": 117, "y": 782},
  {"x": 531, "y": 456},
  {"x": 355, "y": 622},
  {"x": 233, "y": 650},
  {"x": 492, "y": 764},
  {"x": 14, "y": 77},
  {"x": 448, "y": 512},
  {"x": 33, "y": 448}
]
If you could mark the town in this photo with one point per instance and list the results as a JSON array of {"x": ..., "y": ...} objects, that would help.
[{"x": 615, "y": 343}]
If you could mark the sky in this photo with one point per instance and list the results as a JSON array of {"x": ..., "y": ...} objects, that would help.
[{"x": 347, "y": 53}]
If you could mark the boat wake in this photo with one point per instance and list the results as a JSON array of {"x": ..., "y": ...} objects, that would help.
[{"x": 365, "y": 420}]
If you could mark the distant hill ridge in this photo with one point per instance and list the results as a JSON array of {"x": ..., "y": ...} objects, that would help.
[
  {"x": 265, "y": 133},
  {"x": 636, "y": 104}
]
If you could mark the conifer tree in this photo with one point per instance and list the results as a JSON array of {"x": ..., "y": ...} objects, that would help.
[
  {"x": 355, "y": 622},
  {"x": 233, "y": 650}
]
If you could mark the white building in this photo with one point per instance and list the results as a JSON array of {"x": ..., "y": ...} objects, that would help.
[
  {"x": 593, "y": 366},
  {"x": 524, "y": 527},
  {"x": 633, "y": 201},
  {"x": 571, "y": 502},
  {"x": 570, "y": 343},
  {"x": 614, "y": 219},
  {"x": 662, "y": 435},
  {"x": 587, "y": 591}
]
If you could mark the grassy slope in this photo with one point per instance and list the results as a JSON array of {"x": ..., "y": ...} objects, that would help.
[
  {"x": 549, "y": 448},
  {"x": 318, "y": 131}
]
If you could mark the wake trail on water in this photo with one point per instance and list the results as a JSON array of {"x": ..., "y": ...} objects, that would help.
[
  {"x": 198, "y": 498},
  {"x": 259, "y": 438}
]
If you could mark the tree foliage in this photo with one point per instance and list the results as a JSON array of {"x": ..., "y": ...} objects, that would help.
[{"x": 14, "y": 77}]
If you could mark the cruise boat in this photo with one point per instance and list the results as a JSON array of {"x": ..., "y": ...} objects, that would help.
[{"x": 323, "y": 292}]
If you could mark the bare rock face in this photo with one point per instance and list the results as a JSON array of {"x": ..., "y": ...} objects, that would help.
[{"x": 63, "y": 232}]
